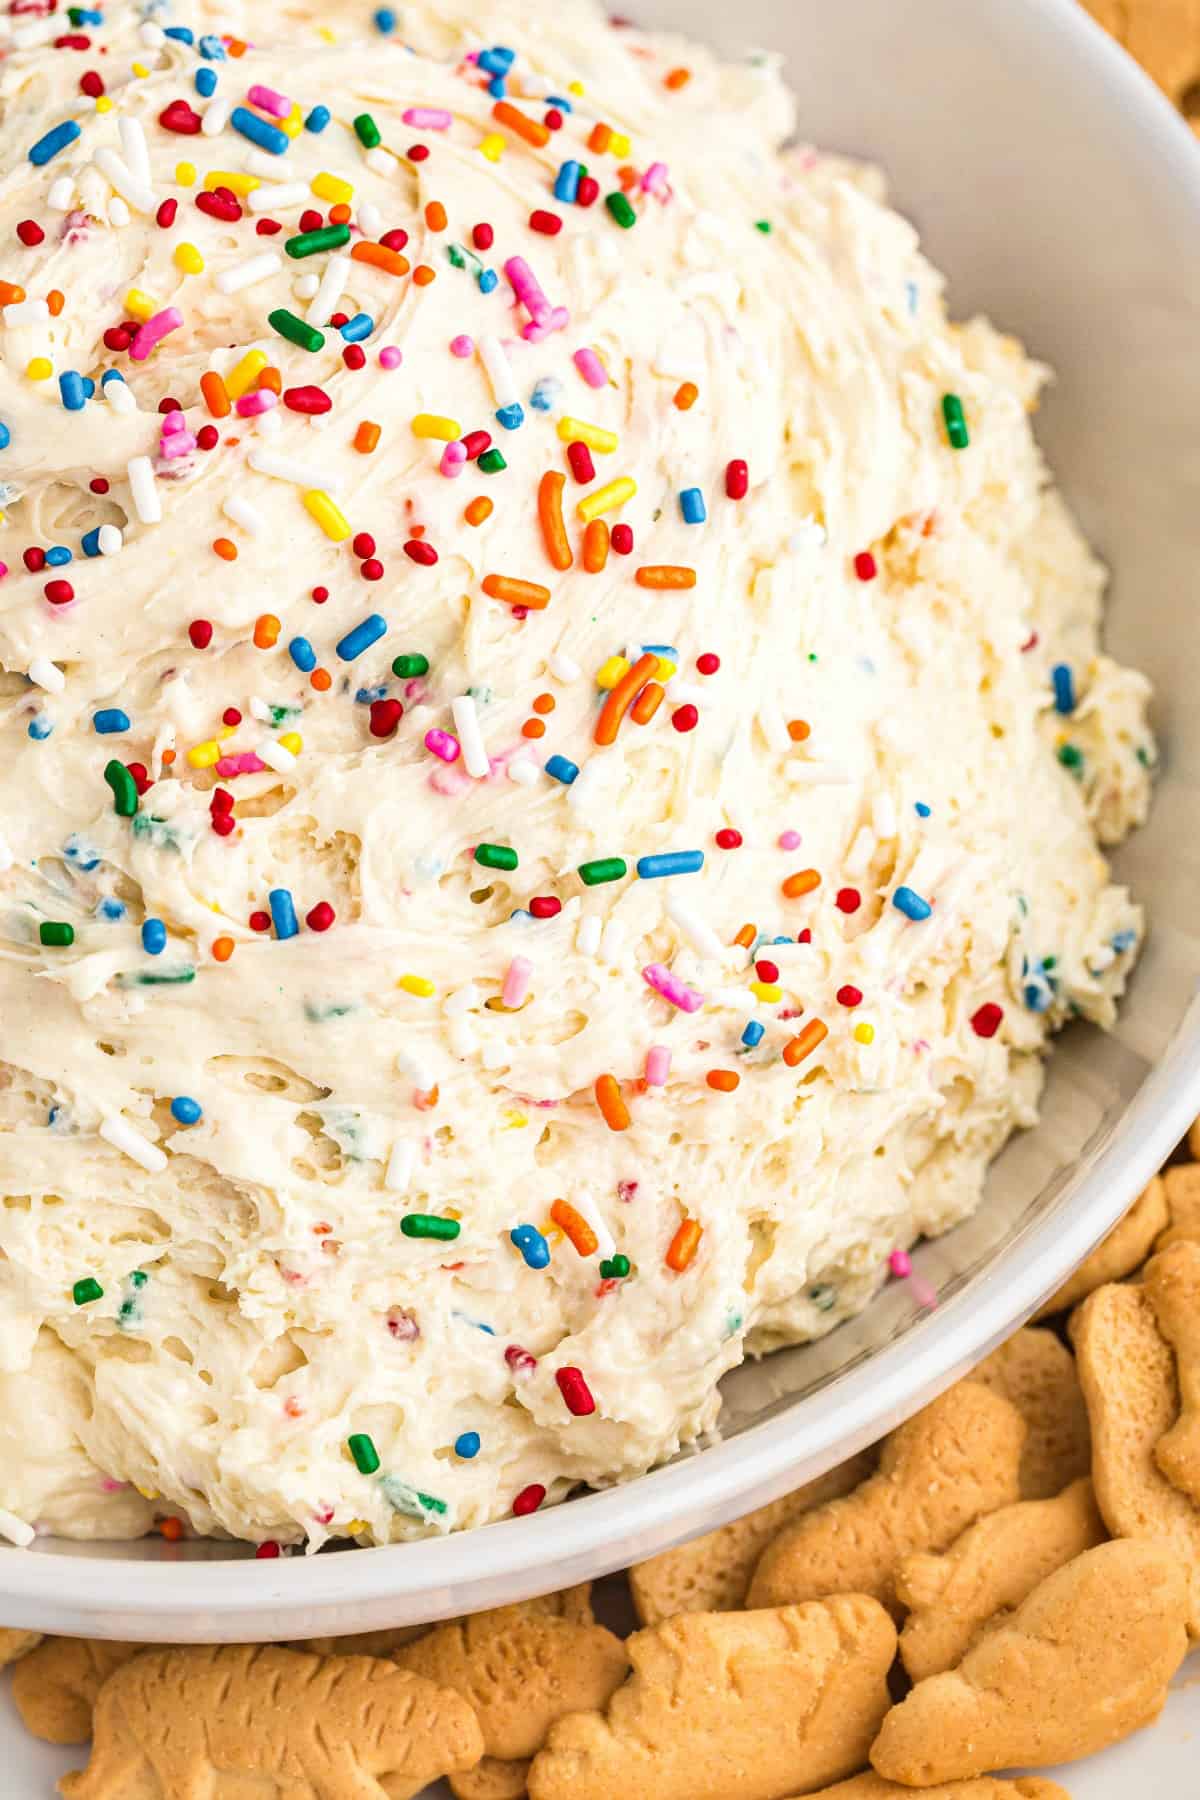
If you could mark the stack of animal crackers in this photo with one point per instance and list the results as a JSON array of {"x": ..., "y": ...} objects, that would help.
[{"x": 1011, "y": 1582}]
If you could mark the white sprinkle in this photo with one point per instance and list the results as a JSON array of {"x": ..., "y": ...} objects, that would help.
[
  {"x": 120, "y": 1134},
  {"x": 277, "y": 756},
  {"x": 259, "y": 709},
  {"x": 269, "y": 424},
  {"x": 587, "y": 938},
  {"x": 381, "y": 160},
  {"x": 142, "y": 485},
  {"x": 773, "y": 728},
  {"x": 245, "y": 274},
  {"x": 858, "y": 857},
  {"x": 152, "y": 36},
  {"x": 62, "y": 193},
  {"x": 7, "y": 859},
  {"x": 271, "y": 168},
  {"x": 466, "y": 724},
  {"x": 816, "y": 774},
  {"x": 118, "y": 213},
  {"x": 400, "y": 1165},
  {"x": 305, "y": 286},
  {"x": 15, "y": 1530},
  {"x": 333, "y": 286},
  {"x": 564, "y": 668},
  {"x": 581, "y": 793},
  {"x": 523, "y": 771},
  {"x": 499, "y": 371},
  {"x": 245, "y": 515},
  {"x": 419, "y": 1073},
  {"x": 698, "y": 932},
  {"x": 216, "y": 116},
  {"x": 47, "y": 675},
  {"x": 275, "y": 199},
  {"x": 463, "y": 1000},
  {"x": 462, "y": 1037},
  {"x": 133, "y": 143},
  {"x": 369, "y": 219},
  {"x": 139, "y": 194},
  {"x": 791, "y": 953},
  {"x": 679, "y": 691},
  {"x": 120, "y": 396},
  {"x": 586, "y": 1207},
  {"x": 289, "y": 468},
  {"x": 26, "y": 312},
  {"x": 38, "y": 31},
  {"x": 109, "y": 540},
  {"x": 613, "y": 941},
  {"x": 883, "y": 816}
]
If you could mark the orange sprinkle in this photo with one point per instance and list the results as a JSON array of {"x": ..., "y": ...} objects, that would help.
[
  {"x": 684, "y": 1245},
  {"x": 55, "y": 300},
  {"x": 600, "y": 138},
  {"x": 802, "y": 882},
  {"x": 545, "y": 703},
  {"x": 676, "y": 79},
  {"x": 478, "y": 510},
  {"x": 266, "y": 630},
  {"x": 550, "y": 516},
  {"x": 573, "y": 1224},
  {"x": 647, "y": 703},
  {"x": 665, "y": 575},
  {"x": 805, "y": 1042},
  {"x": 216, "y": 397},
  {"x": 798, "y": 730},
  {"x": 746, "y": 936},
  {"x": 435, "y": 216},
  {"x": 517, "y": 593},
  {"x": 380, "y": 257},
  {"x": 270, "y": 379},
  {"x": 321, "y": 679},
  {"x": 236, "y": 47},
  {"x": 171, "y": 1529},
  {"x": 595, "y": 546},
  {"x": 724, "y": 1080},
  {"x": 612, "y": 1106},
  {"x": 423, "y": 275},
  {"x": 10, "y": 293},
  {"x": 222, "y": 949},
  {"x": 621, "y": 698},
  {"x": 628, "y": 177},
  {"x": 168, "y": 757},
  {"x": 686, "y": 396},
  {"x": 226, "y": 549},
  {"x": 533, "y": 728},
  {"x": 532, "y": 130},
  {"x": 339, "y": 214},
  {"x": 425, "y": 1102},
  {"x": 366, "y": 437}
]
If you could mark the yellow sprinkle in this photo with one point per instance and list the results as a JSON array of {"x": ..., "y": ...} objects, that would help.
[
  {"x": 39, "y": 368},
  {"x": 189, "y": 259},
  {"x": 864, "y": 1034},
  {"x": 329, "y": 36},
  {"x": 665, "y": 669},
  {"x": 291, "y": 740},
  {"x": 552, "y": 1233},
  {"x": 203, "y": 756},
  {"x": 618, "y": 144},
  {"x": 433, "y": 425},
  {"x": 607, "y": 499},
  {"x": 332, "y": 188},
  {"x": 139, "y": 305},
  {"x": 240, "y": 379},
  {"x": 235, "y": 179},
  {"x": 610, "y": 672},
  {"x": 330, "y": 518},
  {"x": 492, "y": 146},
  {"x": 766, "y": 990},
  {"x": 140, "y": 70},
  {"x": 594, "y": 436},
  {"x": 293, "y": 125},
  {"x": 103, "y": 103},
  {"x": 356, "y": 1527},
  {"x": 185, "y": 173},
  {"x": 146, "y": 1493},
  {"x": 576, "y": 87},
  {"x": 417, "y": 984},
  {"x": 452, "y": 1212},
  {"x": 226, "y": 731},
  {"x": 515, "y": 1120}
]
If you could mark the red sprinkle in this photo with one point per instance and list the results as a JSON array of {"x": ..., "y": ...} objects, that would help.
[
  {"x": 372, "y": 569},
  {"x": 529, "y": 1499},
  {"x": 221, "y": 801},
  {"x": 685, "y": 718},
  {"x": 519, "y": 1360},
  {"x": 307, "y": 400},
  {"x": 231, "y": 716},
  {"x": 621, "y": 540},
  {"x": 267, "y": 227},
  {"x": 169, "y": 405},
  {"x": 260, "y": 921},
  {"x": 865, "y": 566},
  {"x": 395, "y": 239},
  {"x": 849, "y": 996},
  {"x": 482, "y": 236},
  {"x": 34, "y": 558},
  {"x": 385, "y": 716},
  {"x": 580, "y": 459},
  {"x": 766, "y": 971},
  {"x": 575, "y": 1391},
  {"x": 363, "y": 544},
  {"x": 98, "y": 484},
  {"x": 59, "y": 593},
  {"x": 709, "y": 663},
  {"x": 224, "y": 824},
  {"x": 208, "y": 437},
  {"x": 729, "y": 839},
  {"x": 985, "y": 1021},
  {"x": 588, "y": 191},
  {"x": 321, "y": 917},
  {"x": 267, "y": 1549},
  {"x": 548, "y": 223},
  {"x": 141, "y": 776},
  {"x": 737, "y": 479},
  {"x": 91, "y": 84},
  {"x": 545, "y": 906},
  {"x": 219, "y": 204},
  {"x": 354, "y": 356},
  {"x": 165, "y": 216},
  {"x": 418, "y": 153},
  {"x": 476, "y": 442},
  {"x": 200, "y": 632},
  {"x": 320, "y": 595},
  {"x": 179, "y": 117},
  {"x": 418, "y": 551},
  {"x": 30, "y": 232},
  {"x": 848, "y": 900},
  {"x": 552, "y": 119},
  {"x": 117, "y": 337},
  {"x": 311, "y": 219}
]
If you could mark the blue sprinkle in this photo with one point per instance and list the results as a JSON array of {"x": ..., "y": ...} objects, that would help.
[
  {"x": 212, "y": 48},
  {"x": 532, "y": 1245},
  {"x": 369, "y": 632},
  {"x": 85, "y": 16},
  {"x": 283, "y": 913},
  {"x": 317, "y": 119},
  {"x": 186, "y": 1110},
  {"x": 40, "y": 728},
  {"x": 691, "y": 505},
  {"x": 266, "y": 136},
  {"x": 922, "y": 811},
  {"x": 753, "y": 1034},
  {"x": 1064, "y": 688},
  {"x": 488, "y": 280},
  {"x": 183, "y": 34},
  {"x": 670, "y": 862},
  {"x": 83, "y": 854},
  {"x": 1037, "y": 996},
  {"x": 911, "y": 904},
  {"x": 302, "y": 654},
  {"x": 511, "y": 416},
  {"x": 154, "y": 937},
  {"x": 55, "y": 140},
  {"x": 71, "y": 391},
  {"x": 385, "y": 20},
  {"x": 364, "y": 696},
  {"x": 667, "y": 650},
  {"x": 566, "y": 183},
  {"x": 466, "y": 1445},
  {"x": 57, "y": 556},
  {"x": 910, "y": 288},
  {"x": 110, "y": 910},
  {"x": 5, "y": 436},
  {"x": 109, "y": 720},
  {"x": 562, "y": 105},
  {"x": 1123, "y": 940},
  {"x": 359, "y": 327},
  {"x": 110, "y": 375},
  {"x": 561, "y": 769},
  {"x": 545, "y": 395},
  {"x": 496, "y": 87},
  {"x": 89, "y": 543},
  {"x": 496, "y": 61},
  {"x": 206, "y": 81},
  {"x": 89, "y": 386}
]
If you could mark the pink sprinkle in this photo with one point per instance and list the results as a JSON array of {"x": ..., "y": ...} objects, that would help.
[
  {"x": 516, "y": 982},
  {"x": 271, "y": 102},
  {"x": 113, "y": 1487},
  {"x": 154, "y": 330},
  {"x": 922, "y": 1293},
  {"x": 900, "y": 1263},
  {"x": 671, "y": 988},
  {"x": 176, "y": 443},
  {"x": 390, "y": 357},
  {"x": 654, "y": 181},
  {"x": 3, "y": 570},
  {"x": 462, "y": 345},
  {"x": 454, "y": 460},
  {"x": 442, "y": 744},
  {"x": 543, "y": 318},
  {"x": 591, "y": 368},
  {"x": 248, "y": 406},
  {"x": 658, "y": 1065},
  {"x": 428, "y": 118},
  {"x": 173, "y": 421},
  {"x": 789, "y": 840}
]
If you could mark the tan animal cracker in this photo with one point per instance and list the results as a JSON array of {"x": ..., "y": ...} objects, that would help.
[
  {"x": 712, "y": 1573},
  {"x": 1128, "y": 1376},
  {"x": 1125, "y": 1248},
  {"x": 1173, "y": 1284},
  {"x": 989, "y": 1569},
  {"x": 14, "y": 1643},
  {"x": 1183, "y": 1204},
  {"x": 870, "y": 1786},
  {"x": 55, "y": 1688},
  {"x": 1085, "y": 1660},
  {"x": 492, "y": 1779},
  {"x": 1035, "y": 1370},
  {"x": 566, "y": 1603},
  {"x": 180, "y": 1724},
  {"x": 1164, "y": 36},
  {"x": 731, "y": 1706},
  {"x": 938, "y": 1473}
]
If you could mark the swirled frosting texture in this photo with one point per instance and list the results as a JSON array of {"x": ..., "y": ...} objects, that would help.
[{"x": 888, "y": 611}]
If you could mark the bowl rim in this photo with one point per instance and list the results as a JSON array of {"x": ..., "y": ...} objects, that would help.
[{"x": 233, "y": 1596}]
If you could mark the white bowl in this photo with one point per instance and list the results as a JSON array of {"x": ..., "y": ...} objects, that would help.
[{"x": 1060, "y": 194}]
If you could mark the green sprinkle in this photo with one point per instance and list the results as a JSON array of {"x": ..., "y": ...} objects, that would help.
[
  {"x": 763, "y": 225},
  {"x": 366, "y": 1456},
  {"x": 138, "y": 1278},
  {"x": 491, "y": 462},
  {"x": 495, "y": 856},
  {"x": 124, "y": 787},
  {"x": 308, "y": 243},
  {"x": 367, "y": 130},
  {"x": 180, "y": 977},
  {"x": 428, "y": 1225},
  {"x": 615, "y": 1268},
  {"x": 605, "y": 868},
  {"x": 412, "y": 664},
  {"x": 957, "y": 434},
  {"x": 822, "y": 1296},
  {"x": 403, "y": 1498},
  {"x": 55, "y": 935},
  {"x": 1069, "y": 755},
  {"x": 461, "y": 258},
  {"x": 295, "y": 330},
  {"x": 87, "y": 1290},
  {"x": 621, "y": 210}
]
